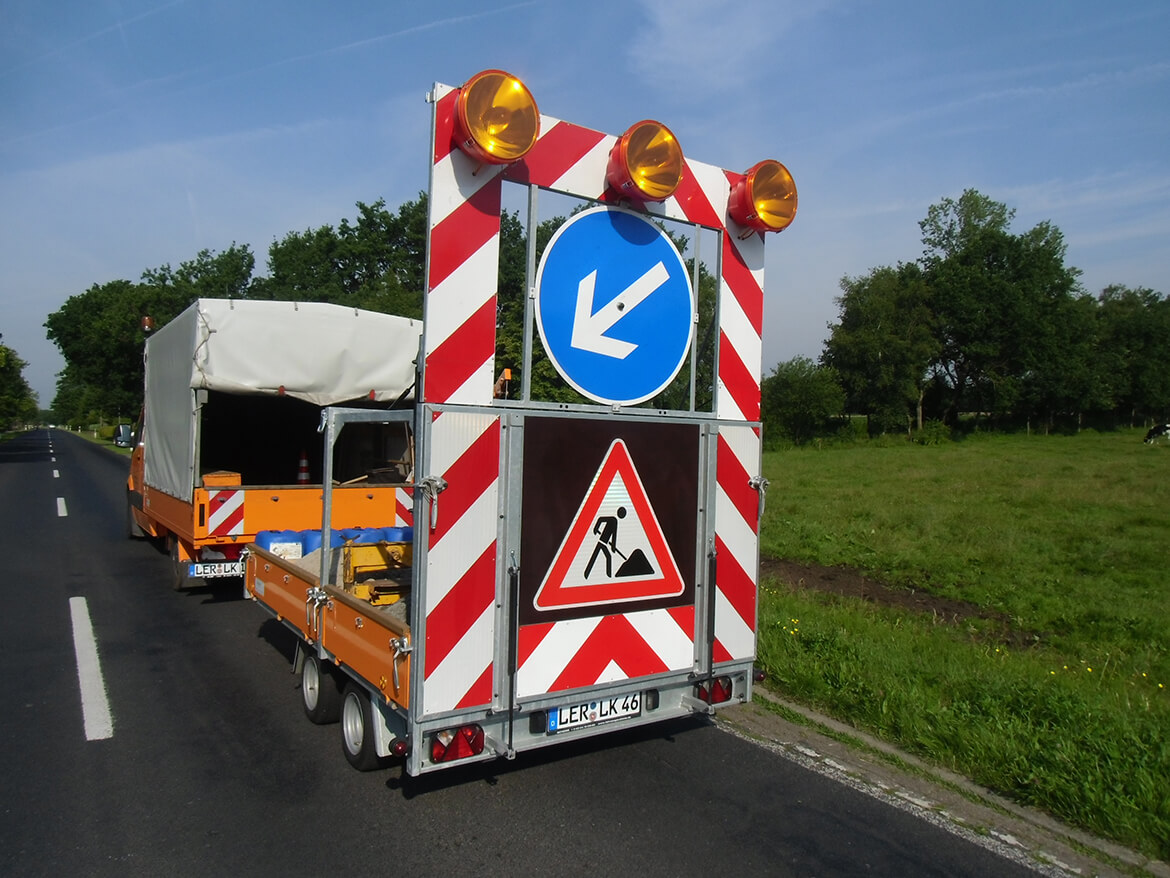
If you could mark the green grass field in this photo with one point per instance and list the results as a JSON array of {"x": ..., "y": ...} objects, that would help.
[{"x": 1061, "y": 698}]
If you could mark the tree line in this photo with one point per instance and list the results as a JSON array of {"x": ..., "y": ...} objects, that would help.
[
  {"x": 987, "y": 324},
  {"x": 376, "y": 262}
]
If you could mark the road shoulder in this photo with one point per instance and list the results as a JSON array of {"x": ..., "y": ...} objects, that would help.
[{"x": 942, "y": 797}]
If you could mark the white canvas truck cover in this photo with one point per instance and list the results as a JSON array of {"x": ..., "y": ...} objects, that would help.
[{"x": 323, "y": 354}]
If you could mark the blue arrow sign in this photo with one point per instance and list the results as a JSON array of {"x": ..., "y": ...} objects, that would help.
[{"x": 614, "y": 305}]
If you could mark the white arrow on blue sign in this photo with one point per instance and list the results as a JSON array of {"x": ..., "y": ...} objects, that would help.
[{"x": 614, "y": 305}]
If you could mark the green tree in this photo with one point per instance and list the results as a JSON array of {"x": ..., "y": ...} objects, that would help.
[
  {"x": 1134, "y": 336},
  {"x": 995, "y": 296},
  {"x": 799, "y": 400},
  {"x": 99, "y": 332},
  {"x": 18, "y": 403},
  {"x": 376, "y": 262},
  {"x": 883, "y": 344},
  {"x": 951, "y": 226}
]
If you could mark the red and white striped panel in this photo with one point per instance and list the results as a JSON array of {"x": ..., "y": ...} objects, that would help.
[
  {"x": 403, "y": 507},
  {"x": 736, "y": 543},
  {"x": 461, "y": 563},
  {"x": 464, "y": 256},
  {"x": 463, "y": 253},
  {"x": 225, "y": 513},
  {"x": 556, "y": 656}
]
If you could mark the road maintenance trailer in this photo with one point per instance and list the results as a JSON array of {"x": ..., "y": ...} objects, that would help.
[{"x": 570, "y": 568}]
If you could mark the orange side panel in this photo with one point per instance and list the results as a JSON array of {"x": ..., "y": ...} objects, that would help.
[
  {"x": 359, "y": 635},
  {"x": 299, "y": 508},
  {"x": 173, "y": 514},
  {"x": 281, "y": 589}
]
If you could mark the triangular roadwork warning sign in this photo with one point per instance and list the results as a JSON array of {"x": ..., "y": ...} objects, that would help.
[{"x": 615, "y": 551}]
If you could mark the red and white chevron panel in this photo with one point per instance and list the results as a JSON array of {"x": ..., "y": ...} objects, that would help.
[
  {"x": 736, "y": 543},
  {"x": 461, "y": 562},
  {"x": 225, "y": 513},
  {"x": 464, "y": 256},
  {"x": 463, "y": 266},
  {"x": 557, "y": 656},
  {"x": 403, "y": 507},
  {"x": 459, "y": 349}
]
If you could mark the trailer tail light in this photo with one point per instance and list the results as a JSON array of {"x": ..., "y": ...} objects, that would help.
[
  {"x": 449, "y": 745},
  {"x": 496, "y": 119},
  {"x": 715, "y": 691},
  {"x": 764, "y": 198},
  {"x": 646, "y": 162},
  {"x": 399, "y": 748}
]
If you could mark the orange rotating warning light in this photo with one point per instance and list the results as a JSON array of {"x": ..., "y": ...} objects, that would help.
[
  {"x": 764, "y": 199},
  {"x": 496, "y": 119},
  {"x": 646, "y": 162}
]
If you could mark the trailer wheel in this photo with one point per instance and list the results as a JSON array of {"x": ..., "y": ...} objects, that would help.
[
  {"x": 357, "y": 729},
  {"x": 320, "y": 691}
]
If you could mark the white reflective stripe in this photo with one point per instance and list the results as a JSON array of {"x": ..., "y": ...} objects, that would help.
[
  {"x": 734, "y": 323},
  {"x": 662, "y": 634},
  {"x": 95, "y": 707},
  {"x": 461, "y": 546},
  {"x": 61, "y": 510},
  {"x": 745, "y": 445},
  {"x": 736, "y": 533},
  {"x": 727, "y": 409},
  {"x": 463, "y": 665},
  {"x": 462, "y": 293},
  {"x": 552, "y": 655},
  {"x": 733, "y": 631},
  {"x": 612, "y": 673}
]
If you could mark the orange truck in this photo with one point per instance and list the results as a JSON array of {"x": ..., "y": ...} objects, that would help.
[{"x": 227, "y": 445}]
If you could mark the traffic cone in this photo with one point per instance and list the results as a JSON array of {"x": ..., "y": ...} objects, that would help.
[{"x": 303, "y": 470}]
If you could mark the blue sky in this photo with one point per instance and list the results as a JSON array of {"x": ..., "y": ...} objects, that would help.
[{"x": 134, "y": 133}]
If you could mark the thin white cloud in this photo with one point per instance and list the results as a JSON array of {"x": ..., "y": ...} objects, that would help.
[
  {"x": 702, "y": 47},
  {"x": 117, "y": 27}
]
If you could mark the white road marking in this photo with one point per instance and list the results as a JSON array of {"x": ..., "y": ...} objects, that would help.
[
  {"x": 95, "y": 707},
  {"x": 56, "y": 474},
  {"x": 61, "y": 510}
]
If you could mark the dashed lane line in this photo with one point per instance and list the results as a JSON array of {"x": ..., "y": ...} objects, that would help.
[
  {"x": 61, "y": 510},
  {"x": 95, "y": 707}
]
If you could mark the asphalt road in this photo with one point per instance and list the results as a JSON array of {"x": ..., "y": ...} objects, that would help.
[{"x": 207, "y": 765}]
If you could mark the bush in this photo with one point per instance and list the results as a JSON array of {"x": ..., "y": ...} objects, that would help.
[{"x": 932, "y": 433}]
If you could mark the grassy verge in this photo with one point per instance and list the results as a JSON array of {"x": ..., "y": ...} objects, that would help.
[{"x": 1066, "y": 705}]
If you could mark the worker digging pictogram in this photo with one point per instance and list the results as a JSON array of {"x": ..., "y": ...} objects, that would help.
[
  {"x": 634, "y": 564},
  {"x": 592, "y": 568}
]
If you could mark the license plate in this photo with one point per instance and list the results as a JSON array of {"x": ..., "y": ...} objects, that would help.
[
  {"x": 592, "y": 713},
  {"x": 206, "y": 569}
]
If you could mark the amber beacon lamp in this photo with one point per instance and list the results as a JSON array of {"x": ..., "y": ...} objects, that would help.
[
  {"x": 764, "y": 198},
  {"x": 496, "y": 119}
]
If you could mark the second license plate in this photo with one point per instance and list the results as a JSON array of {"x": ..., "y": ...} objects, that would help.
[{"x": 206, "y": 569}]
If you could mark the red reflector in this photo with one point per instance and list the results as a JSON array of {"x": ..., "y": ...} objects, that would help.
[
  {"x": 451, "y": 744},
  {"x": 721, "y": 688},
  {"x": 715, "y": 691},
  {"x": 399, "y": 748}
]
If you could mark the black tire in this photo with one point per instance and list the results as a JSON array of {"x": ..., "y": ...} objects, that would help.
[
  {"x": 320, "y": 690},
  {"x": 357, "y": 729},
  {"x": 133, "y": 531}
]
